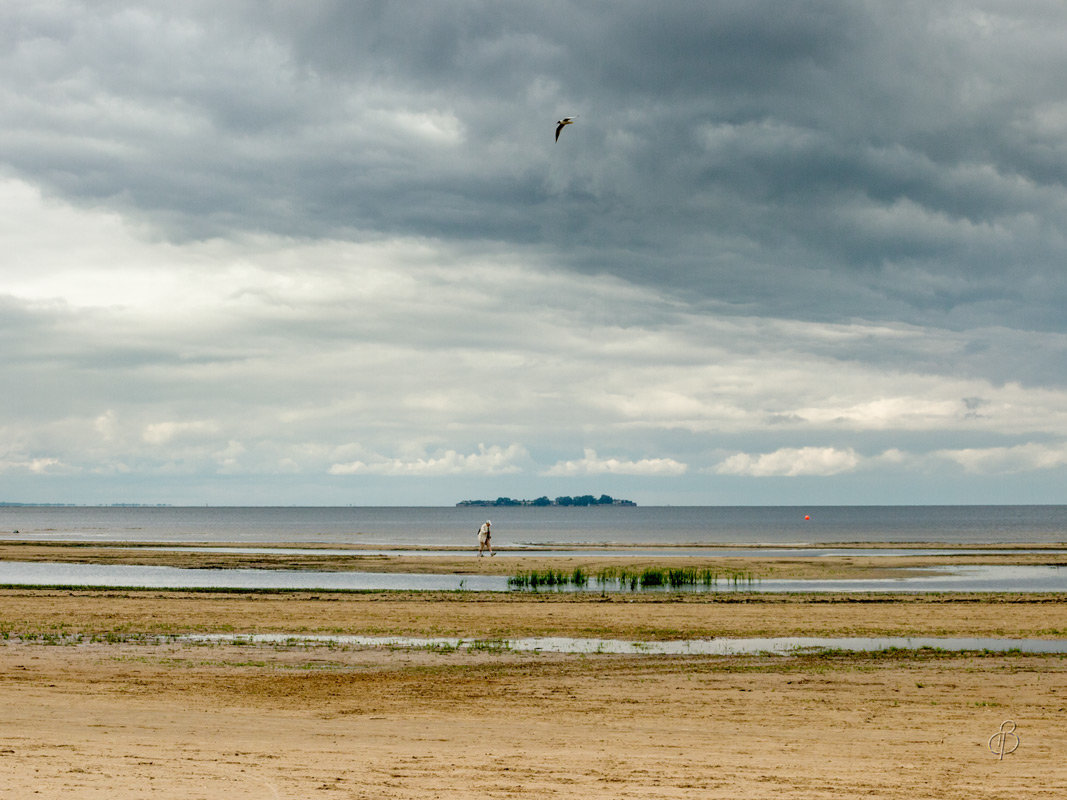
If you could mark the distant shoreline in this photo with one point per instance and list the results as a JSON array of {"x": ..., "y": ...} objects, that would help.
[{"x": 9, "y": 504}]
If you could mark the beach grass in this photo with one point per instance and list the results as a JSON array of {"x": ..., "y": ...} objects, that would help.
[{"x": 621, "y": 578}]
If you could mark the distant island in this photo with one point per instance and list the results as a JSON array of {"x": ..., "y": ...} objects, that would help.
[{"x": 583, "y": 500}]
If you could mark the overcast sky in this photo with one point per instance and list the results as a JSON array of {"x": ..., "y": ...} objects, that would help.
[{"x": 330, "y": 253}]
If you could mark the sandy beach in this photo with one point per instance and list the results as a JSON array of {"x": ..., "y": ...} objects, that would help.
[{"x": 100, "y": 701}]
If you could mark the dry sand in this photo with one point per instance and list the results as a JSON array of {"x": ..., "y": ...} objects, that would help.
[{"x": 123, "y": 717}]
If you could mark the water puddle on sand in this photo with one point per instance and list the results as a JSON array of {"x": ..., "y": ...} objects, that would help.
[
  {"x": 779, "y": 645},
  {"x": 959, "y": 579},
  {"x": 970, "y": 578},
  {"x": 152, "y": 577}
]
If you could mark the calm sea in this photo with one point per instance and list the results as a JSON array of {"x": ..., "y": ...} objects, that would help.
[{"x": 455, "y": 526}]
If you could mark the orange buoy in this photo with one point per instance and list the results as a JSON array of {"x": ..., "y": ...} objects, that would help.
[{"x": 806, "y": 517}]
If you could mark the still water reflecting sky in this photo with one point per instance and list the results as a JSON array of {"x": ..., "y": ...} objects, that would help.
[
  {"x": 779, "y": 645},
  {"x": 971, "y": 578}
]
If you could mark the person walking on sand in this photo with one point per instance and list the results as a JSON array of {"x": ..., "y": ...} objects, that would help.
[{"x": 485, "y": 536}]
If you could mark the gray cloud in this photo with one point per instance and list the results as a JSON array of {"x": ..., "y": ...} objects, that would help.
[{"x": 772, "y": 230}]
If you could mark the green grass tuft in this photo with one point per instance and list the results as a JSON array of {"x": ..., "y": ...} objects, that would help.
[{"x": 630, "y": 579}]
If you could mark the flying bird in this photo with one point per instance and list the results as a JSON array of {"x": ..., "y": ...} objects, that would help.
[{"x": 561, "y": 122}]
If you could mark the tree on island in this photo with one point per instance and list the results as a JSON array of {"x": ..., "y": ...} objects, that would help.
[{"x": 581, "y": 501}]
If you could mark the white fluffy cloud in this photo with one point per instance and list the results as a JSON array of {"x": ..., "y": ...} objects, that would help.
[
  {"x": 494, "y": 460},
  {"x": 592, "y": 464},
  {"x": 35, "y": 466},
  {"x": 1027, "y": 457},
  {"x": 791, "y": 462},
  {"x": 161, "y": 433}
]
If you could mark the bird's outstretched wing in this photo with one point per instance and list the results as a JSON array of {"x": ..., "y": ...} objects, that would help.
[{"x": 561, "y": 123}]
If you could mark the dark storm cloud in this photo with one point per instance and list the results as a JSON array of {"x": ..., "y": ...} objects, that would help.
[{"x": 820, "y": 159}]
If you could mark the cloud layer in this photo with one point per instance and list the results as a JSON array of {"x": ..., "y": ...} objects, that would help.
[{"x": 334, "y": 254}]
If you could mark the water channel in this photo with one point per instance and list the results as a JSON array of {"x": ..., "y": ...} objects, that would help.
[
  {"x": 949, "y": 578},
  {"x": 776, "y": 645}
]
